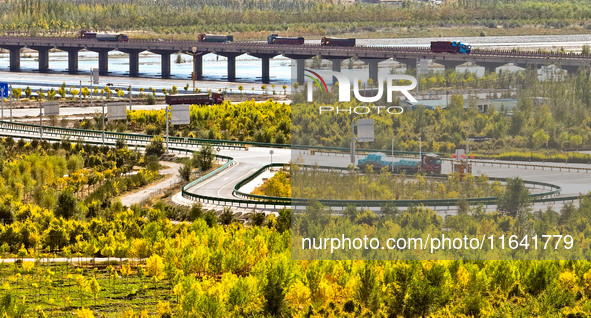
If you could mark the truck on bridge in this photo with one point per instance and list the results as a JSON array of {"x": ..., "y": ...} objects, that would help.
[
  {"x": 108, "y": 37},
  {"x": 430, "y": 163},
  {"x": 337, "y": 42},
  {"x": 202, "y": 37},
  {"x": 450, "y": 47},
  {"x": 195, "y": 99},
  {"x": 276, "y": 39}
]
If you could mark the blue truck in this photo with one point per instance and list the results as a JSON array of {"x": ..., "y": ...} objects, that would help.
[
  {"x": 430, "y": 163},
  {"x": 450, "y": 47}
]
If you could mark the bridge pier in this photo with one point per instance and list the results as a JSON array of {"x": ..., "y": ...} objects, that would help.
[
  {"x": 300, "y": 66},
  {"x": 72, "y": 58},
  {"x": 265, "y": 60},
  {"x": 373, "y": 68},
  {"x": 198, "y": 65},
  {"x": 336, "y": 65},
  {"x": 15, "y": 57},
  {"x": 336, "y": 62},
  {"x": 134, "y": 61},
  {"x": 449, "y": 65},
  {"x": 164, "y": 61},
  {"x": 410, "y": 63},
  {"x": 570, "y": 69},
  {"x": 491, "y": 67},
  {"x": 231, "y": 57},
  {"x": 43, "y": 52},
  {"x": 103, "y": 61}
]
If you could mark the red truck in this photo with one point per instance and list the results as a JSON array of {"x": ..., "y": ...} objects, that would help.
[
  {"x": 337, "y": 42},
  {"x": 195, "y": 99},
  {"x": 450, "y": 47},
  {"x": 276, "y": 39}
]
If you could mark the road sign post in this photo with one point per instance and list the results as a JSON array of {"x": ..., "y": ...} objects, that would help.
[
  {"x": 166, "y": 114},
  {"x": 50, "y": 108},
  {"x": 193, "y": 74},
  {"x": 103, "y": 107},
  {"x": 80, "y": 95},
  {"x": 2, "y": 90},
  {"x": 365, "y": 130},
  {"x": 40, "y": 122},
  {"x": 11, "y": 102},
  {"x": 3, "y": 95},
  {"x": 129, "y": 97}
]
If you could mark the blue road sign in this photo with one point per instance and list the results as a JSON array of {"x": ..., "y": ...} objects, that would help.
[{"x": 4, "y": 89}]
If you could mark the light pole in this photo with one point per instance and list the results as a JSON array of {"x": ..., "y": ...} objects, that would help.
[
  {"x": 130, "y": 98},
  {"x": 193, "y": 75},
  {"x": 40, "y": 122},
  {"x": 103, "y": 122},
  {"x": 10, "y": 90},
  {"x": 80, "y": 95},
  {"x": 2, "y": 96},
  {"x": 420, "y": 148},
  {"x": 353, "y": 142},
  {"x": 166, "y": 116}
]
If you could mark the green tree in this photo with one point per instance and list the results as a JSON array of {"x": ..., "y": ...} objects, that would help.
[
  {"x": 367, "y": 288},
  {"x": 155, "y": 268},
  {"x": 185, "y": 171},
  {"x": 95, "y": 288},
  {"x": 62, "y": 90},
  {"x": 156, "y": 147},
  {"x": 85, "y": 92},
  {"x": 203, "y": 159},
  {"x": 540, "y": 138},
  {"x": 227, "y": 217},
  {"x": 67, "y": 205},
  {"x": 576, "y": 141},
  {"x": 279, "y": 278},
  {"x": 515, "y": 199}
]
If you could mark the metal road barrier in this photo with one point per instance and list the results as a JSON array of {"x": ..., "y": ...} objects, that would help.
[
  {"x": 546, "y": 196},
  {"x": 534, "y": 166},
  {"x": 186, "y": 146},
  {"x": 179, "y": 141}
]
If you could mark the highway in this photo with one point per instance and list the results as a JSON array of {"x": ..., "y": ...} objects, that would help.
[
  {"x": 246, "y": 162},
  {"x": 221, "y": 186}
]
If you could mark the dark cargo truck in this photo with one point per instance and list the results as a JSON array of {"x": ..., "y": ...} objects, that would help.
[
  {"x": 276, "y": 39},
  {"x": 337, "y": 42},
  {"x": 108, "y": 37},
  {"x": 202, "y": 37},
  {"x": 84, "y": 34},
  {"x": 195, "y": 99},
  {"x": 450, "y": 47}
]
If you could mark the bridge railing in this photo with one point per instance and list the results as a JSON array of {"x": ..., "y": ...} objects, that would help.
[{"x": 305, "y": 48}]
